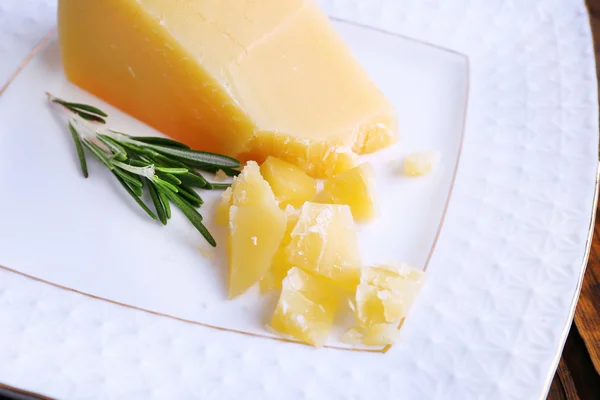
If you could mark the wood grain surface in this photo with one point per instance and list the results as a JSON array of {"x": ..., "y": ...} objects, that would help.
[{"x": 578, "y": 374}]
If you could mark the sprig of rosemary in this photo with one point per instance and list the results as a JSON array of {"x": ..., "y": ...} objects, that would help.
[{"x": 167, "y": 168}]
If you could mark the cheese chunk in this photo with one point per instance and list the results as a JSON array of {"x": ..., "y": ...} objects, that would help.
[
  {"x": 256, "y": 227},
  {"x": 382, "y": 300},
  {"x": 280, "y": 264},
  {"x": 290, "y": 184},
  {"x": 324, "y": 241},
  {"x": 356, "y": 188},
  {"x": 386, "y": 293},
  {"x": 374, "y": 335},
  {"x": 306, "y": 308},
  {"x": 243, "y": 78},
  {"x": 421, "y": 163},
  {"x": 222, "y": 217}
]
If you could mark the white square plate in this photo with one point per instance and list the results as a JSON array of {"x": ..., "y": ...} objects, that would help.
[
  {"x": 503, "y": 275},
  {"x": 96, "y": 241}
]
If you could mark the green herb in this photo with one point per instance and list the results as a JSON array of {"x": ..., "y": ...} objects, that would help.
[
  {"x": 85, "y": 111},
  {"x": 191, "y": 158},
  {"x": 227, "y": 171},
  {"x": 219, "y": 186},
  {"x": 165, "y": 167},
  {"x": 158, "y": 203},
  {"x": 135, "y": 197},
  {"x": 161, "y": 141},
  {"x": 79, "y": 148}
]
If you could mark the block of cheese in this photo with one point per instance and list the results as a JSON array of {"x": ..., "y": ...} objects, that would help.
[{"x": 243, "y": 78}]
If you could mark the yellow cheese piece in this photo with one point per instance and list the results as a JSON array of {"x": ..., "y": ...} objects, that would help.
[
  {"x": 375, "y": 335},
  {"x": 249, "y": 188},
  {"x": 354, "y": 187},
  {"x": 280, "y": 264},
  {"x": 243, "y": 78},
  {"x": 290, "y": 184},
  {"x": 382, "y": 300},
  {"x": 420, "y": 163},
  {"x": 324, "y": 242},
  {"x": 353, "y": 336},
  {"x": 306, "y": 308},
  {"x": 256, "y": 227},
  {"x": 386, "y": 293},
  {"x": 222, "y": 217}
]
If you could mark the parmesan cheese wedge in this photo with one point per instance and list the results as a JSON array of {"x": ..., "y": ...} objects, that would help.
[{"x": 243, "y": 78}]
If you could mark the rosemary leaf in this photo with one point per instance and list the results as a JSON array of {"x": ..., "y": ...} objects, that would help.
[
  {"x": 194, "y": 158},
  {"x": 193, "y": 179},
  {"x": 174, "y": 171},
  {"x": 160, "y": 141},
  {"x": 97, "y": 152},
  {"x": 168, "y": 162},
  {"x": 189, "y": 203},
  {"x": 135, "y": 197},
  {"x": 165, "y": 201},
  {"x": 191, "y": 214},
  {"x": 191, "y": 193},
  {"x": 135, "y": 189},
  {"x": 137, "y": 150},
  {"x": 219, "y": 186},
  {"x": 118, "y": 151},
  {"x": 228, "y": 171},
  {"x": 79, "y": 148},
  {"x": 78, "y": 106},
  {"x": 89, "y": 117},
  {"x": 128, "y": 177},
  {"x": 138, "y": 163},
  {"x": 158, "y": 204},
  {"x": 163, "y": 183},
  {"x": 172, "y": 179},
  {"x": 192, "y": 199}
]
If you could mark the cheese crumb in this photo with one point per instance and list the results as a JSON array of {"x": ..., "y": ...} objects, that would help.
[
  {"x": 221, "y": 176},
  {"x": 206, "y": 253},
  {"x": 420, "y": 163}
]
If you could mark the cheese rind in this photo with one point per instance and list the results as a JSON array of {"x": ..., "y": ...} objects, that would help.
[{"x": 247, "y": 79}]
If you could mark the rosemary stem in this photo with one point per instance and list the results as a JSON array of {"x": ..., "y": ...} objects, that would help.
[{"x": 147, "y": 171}]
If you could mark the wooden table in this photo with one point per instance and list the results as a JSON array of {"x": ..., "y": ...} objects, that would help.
[{"x": 578, "y": 374}]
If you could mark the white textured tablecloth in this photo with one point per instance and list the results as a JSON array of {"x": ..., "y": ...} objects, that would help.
[{"x": 506, "y": 294}]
